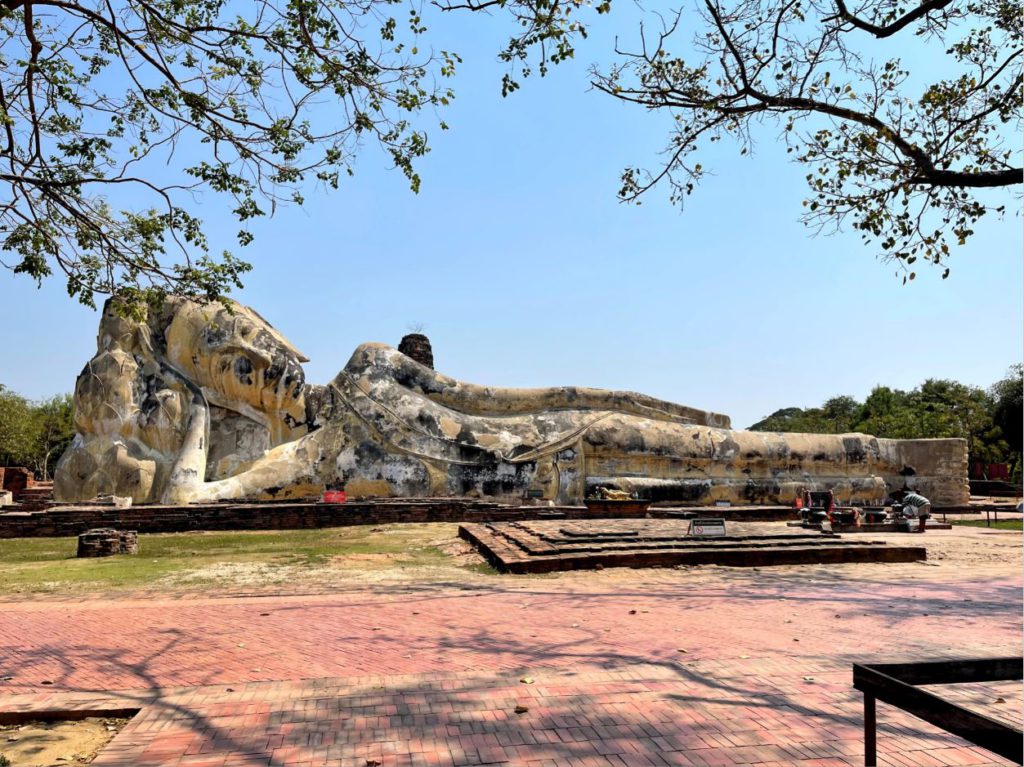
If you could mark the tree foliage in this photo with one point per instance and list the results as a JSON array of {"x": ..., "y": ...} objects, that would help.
[
  {"x": 34, "y": 434},
  {"x": 116, "y": 116},
  {"x": 264, "y": 99},
  {"x": 54, "y": 422},
  {"x": 1008, "y": 415},
  {"x": 935, "y": 409},
  {"x": 899, "y": 156},
  {"x": 15, "y": 428}
]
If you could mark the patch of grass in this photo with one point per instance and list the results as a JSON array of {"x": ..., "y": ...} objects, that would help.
[
  {"x": 1002, "y": 524},
  {"x": 200, "y": 558}
]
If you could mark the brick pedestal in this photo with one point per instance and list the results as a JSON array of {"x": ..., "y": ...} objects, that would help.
[
  {"x": 105, "y": 542},
  {"x": 417, "y": 346}
]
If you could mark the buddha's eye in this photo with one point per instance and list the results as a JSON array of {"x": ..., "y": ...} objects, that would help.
[{"x": 243, "y": 370}]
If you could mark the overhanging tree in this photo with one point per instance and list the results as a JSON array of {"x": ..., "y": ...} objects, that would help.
[
  {"x": 101, "y": 100},
  {"x": 901, "y": 156}
]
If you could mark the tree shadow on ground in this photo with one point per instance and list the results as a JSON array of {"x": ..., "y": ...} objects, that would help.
[
  {"x": 593, "y": 705},
  {"x": 673, "y": 706}
]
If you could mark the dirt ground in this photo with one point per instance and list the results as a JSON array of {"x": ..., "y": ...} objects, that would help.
[
  {"x": 978, "y": 550},
  {"x": 981, "y": 551},
  {"x": 56, "y": 744},
  {"x": 950, "y": 552}
]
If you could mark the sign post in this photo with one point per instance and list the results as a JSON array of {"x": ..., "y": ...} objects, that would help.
[{"x": 711, "y": 527}]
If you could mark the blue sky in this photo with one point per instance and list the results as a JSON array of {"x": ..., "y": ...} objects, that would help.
[{"x": 525, "y": 271}]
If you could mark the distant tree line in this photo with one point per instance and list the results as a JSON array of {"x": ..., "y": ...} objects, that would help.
[
  {"x": 34, "y": 434},
  {"x": 989, "y": 419}
]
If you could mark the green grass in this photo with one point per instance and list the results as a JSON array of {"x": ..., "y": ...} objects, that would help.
[
  {"x": 192, "y": 560},
  {"x": 1002, "y": 524}
]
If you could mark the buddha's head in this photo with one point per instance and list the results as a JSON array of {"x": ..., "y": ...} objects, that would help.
[
  {"x": 239, "y": 361},
  {"x": 135, "y": 398}
]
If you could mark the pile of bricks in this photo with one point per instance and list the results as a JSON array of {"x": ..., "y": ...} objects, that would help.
[{"x": 106, "y": 542}]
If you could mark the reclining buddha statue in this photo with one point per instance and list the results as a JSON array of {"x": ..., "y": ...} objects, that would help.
[{"x": 205, "y": 402}]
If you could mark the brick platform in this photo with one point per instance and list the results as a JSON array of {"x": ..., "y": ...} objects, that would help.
[
  {"x": 285, "y": 515},
  {"x": 552, "y": 546}
]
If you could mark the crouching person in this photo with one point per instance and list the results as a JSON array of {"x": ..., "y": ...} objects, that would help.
[{"x": 921, "y": 504}]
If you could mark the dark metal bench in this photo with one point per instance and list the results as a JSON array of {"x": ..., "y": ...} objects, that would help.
[{"x": 896, "y": 684}]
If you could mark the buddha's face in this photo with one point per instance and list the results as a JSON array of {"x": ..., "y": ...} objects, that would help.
[{"x": 242, "y": 364}]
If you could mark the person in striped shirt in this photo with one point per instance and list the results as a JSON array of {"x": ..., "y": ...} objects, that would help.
[{"x": 922, "y": 505}]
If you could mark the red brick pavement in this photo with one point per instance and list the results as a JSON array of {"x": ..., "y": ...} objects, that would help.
[
  {"x": 696, "y": 714},
  {"x": 748, "y": 668}
]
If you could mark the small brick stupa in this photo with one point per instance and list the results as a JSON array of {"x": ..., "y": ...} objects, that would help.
[{"x": 417, "y": 346}]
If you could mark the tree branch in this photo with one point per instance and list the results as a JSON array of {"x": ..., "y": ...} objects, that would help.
[
  {"x": 984, "y": 180},
  {"x": 889, "y": 29}
]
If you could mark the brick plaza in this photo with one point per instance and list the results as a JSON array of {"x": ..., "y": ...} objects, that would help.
[{"x": 694, "y": 666}]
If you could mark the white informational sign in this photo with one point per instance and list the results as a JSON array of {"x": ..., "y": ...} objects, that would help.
[{"x": 707, "y": 528}]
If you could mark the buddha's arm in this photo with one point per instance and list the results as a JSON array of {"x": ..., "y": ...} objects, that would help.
[
  {"x": 189, "y": 466},
  {"x": 377, "y": 361},
  {"x": 284, "y": 465}
]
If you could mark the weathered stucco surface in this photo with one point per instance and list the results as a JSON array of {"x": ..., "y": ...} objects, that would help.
[{"x": 199, "y": 403}]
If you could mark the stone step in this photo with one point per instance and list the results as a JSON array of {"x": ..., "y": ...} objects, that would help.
[
  {"x": 35, "y": 498},
  {"x": 545, "y": 547}
]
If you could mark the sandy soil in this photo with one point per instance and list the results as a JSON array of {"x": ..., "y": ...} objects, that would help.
[
  {"x": 57, "y": 744},
  {"x": 981, "y": 552}
]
